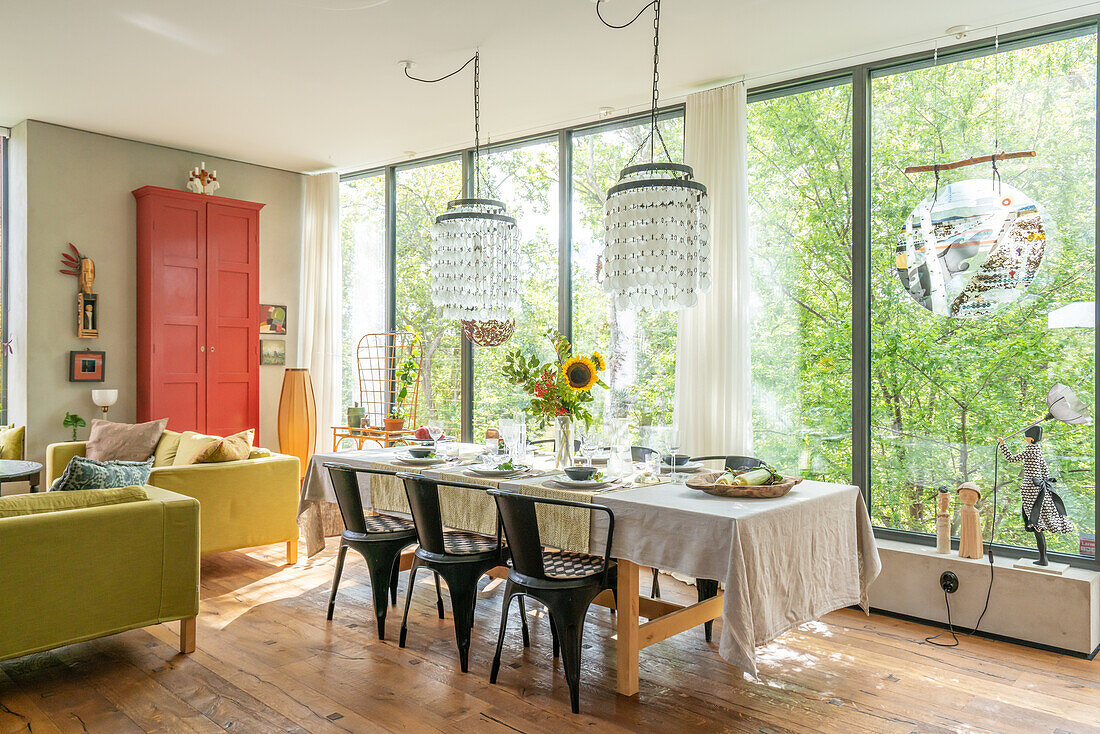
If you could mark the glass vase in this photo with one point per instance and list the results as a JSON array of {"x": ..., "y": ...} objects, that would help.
[{"x": 565, "y": 442}]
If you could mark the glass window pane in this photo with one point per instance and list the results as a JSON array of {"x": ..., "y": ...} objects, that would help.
[
  {"x": 363, "y": 244},
  {"x": 800, "y": 183},
  {"x": 526, "y": 180},
  {"x": 640, "y": 346},
  {"x": 422, "y": 194},
  {"x": 944, "y": 387}
]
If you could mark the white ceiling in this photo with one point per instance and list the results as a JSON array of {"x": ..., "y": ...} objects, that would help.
[{"x": 309, "y": 85}]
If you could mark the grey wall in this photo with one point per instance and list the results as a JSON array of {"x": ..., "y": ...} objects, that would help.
[{"x": 77, "y": 189}]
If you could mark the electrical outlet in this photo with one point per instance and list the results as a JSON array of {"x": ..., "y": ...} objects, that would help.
[{"x": 949, "y": 582}]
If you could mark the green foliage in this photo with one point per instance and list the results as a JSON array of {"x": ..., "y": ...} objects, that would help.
[
  {"x": 551, "y": 396},
  {"x": 73, "y": 421},
  {"x": 406, "y": 376}
]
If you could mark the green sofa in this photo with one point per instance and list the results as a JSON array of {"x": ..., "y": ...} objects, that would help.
[
  {"x": 73, "y": 575},
  {"x": 244, "y": 503}
]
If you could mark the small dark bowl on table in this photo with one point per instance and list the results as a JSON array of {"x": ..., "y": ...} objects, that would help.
[
  {"x": 419, "y": 452},
  {"x": 675, "y": 459},
  {"x": 580, "y": 473}
]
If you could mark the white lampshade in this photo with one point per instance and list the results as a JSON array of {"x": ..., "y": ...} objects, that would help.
[{"x": 105, "y": 398}]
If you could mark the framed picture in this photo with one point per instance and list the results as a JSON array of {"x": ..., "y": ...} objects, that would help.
[
  {"x": 87, "y": 366},
  {"x": 272, "y": 351},
  {"x": 272, "y": 319},
  {"x": 87, "y": 315}
]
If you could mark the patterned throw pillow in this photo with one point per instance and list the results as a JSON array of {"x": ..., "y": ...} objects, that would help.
[{"x": 84, "y": 473}]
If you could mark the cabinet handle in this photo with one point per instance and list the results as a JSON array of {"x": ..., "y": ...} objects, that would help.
[
  {"x": 211, "y": 349},
  {"x": 202, "y": 349}
]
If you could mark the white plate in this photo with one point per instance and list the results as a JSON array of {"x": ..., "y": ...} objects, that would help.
[
  {"x": 690, "y": 466},
  {"x": 477, "y": 471},
  {"x": 585, "y": 484},
  {"x": 410, "y": 461}
]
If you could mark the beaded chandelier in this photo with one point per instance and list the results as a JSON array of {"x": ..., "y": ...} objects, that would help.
[
  {"x": 475, "y": 252},
  {"x": 656, "y": 223}
]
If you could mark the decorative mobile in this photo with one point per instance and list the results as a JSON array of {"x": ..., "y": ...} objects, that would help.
[
  {"x": 973, "y": 246},
  {"x": 657, "y": 222},
  {"x": 202, "y": 181},
  {"x": 476, "y": 250}
]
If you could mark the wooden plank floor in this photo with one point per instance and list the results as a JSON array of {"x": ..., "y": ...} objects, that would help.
[{"x": 268, "y": 661}]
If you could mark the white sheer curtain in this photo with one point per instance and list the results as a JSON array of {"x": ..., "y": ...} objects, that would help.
[
  {"x": 713, "y": 383},
  {"x": 319, "y": 330}
]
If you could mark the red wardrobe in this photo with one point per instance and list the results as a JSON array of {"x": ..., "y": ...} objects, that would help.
[{"x": 198, "y": 311}]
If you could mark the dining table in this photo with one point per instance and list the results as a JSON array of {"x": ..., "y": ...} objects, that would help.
[{"x": 780, "y": 562}]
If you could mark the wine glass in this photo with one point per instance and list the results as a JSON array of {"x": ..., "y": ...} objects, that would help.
[
  {"x": 435, "y": 429},
  {"x": 588, "y": 446},
  {"x": 674, "y": 444}
]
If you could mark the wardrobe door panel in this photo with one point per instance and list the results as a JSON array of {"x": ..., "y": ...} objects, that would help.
[
  {"x": 172, "y": 323},
  {"x": 232, "y": 319}
]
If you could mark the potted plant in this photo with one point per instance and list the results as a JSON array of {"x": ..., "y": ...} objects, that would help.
[
  {"x": 405, "y": 375},
  {"x": 73, "y": 421}
]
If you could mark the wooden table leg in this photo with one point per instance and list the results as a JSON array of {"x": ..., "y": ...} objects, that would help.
[{"x": 626, "y": 619}]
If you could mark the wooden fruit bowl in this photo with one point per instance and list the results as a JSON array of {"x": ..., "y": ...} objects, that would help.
[{"x": 706, "y": 483}]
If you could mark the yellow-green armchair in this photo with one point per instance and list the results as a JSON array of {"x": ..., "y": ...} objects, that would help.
[
  {"x": 243, "y": 503},
  {"x": 77, "y": 574}
]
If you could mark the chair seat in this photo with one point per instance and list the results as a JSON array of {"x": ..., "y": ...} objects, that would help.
[
  {"x": 461, "y": 542},
  {"x": 560, "y": 564},
  {"x": 387, "y": 524}
]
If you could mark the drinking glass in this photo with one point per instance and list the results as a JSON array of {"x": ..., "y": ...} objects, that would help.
[
  {"x": 674, "y": 443},
  {"x": 435, "y": 429},
  {"x": 588, "y": 446},
  {"x": 521, "y": 435}
]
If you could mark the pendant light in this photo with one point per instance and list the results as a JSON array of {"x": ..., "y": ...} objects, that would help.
[
  {"x": 476, "y": 252},
  {"x": 656, "y": 222}
]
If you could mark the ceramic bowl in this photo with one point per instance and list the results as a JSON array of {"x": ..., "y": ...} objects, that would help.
[
  {"x": 580, "y": 473},
  {"x": 419, "y": 452}
]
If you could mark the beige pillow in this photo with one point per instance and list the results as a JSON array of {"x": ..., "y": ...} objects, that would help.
[
  {"x": 11, "y": 441},
  {"x": 167, "y": 446},
  {"x": 197, "y": 448},
  {"x": 110, "y": 441}
]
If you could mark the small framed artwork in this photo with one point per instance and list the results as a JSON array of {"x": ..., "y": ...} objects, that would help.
[
  {"x": 87, "y": 315},
  {"x": 272, "y": 351},
  {"x": 87, "y": 366},
  {"x": 272, "y": 319}
]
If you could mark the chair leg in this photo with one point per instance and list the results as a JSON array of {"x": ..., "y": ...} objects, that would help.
[
  {"x": 438, "y": 597},
  {"x": 291, "y": 552},
  {"x": 408, "y": 603},
  {"x": 655, "y": 592},
  {"x": 381, "y": 567},
  {"x": 554, "y": 637},
  {"x": 570, "y": 628},
  {"x": 393, "y": 579},
  {"x": 336, "y": 579},
  {"x": 505, "y": 606},
  {"x": 188, "y": 629},
  {"x": 523, "y": 620},
  {"x": 462, "y": 584},
  {"x": 707, "y": 589}
]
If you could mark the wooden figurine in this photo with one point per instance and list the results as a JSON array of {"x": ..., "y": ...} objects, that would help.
[
  {"x": 943, "y": 521},
  {"x": 87, "y": 303},
  {"x": 970, "y": 534},
  {"x": 82, "y": 267}
]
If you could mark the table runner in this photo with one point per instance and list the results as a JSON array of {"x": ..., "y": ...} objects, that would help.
[
  {"x": 568, "y": 528},
  {"x": 782, "y": 561}
]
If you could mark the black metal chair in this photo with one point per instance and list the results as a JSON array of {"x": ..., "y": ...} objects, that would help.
[
  {"x": 565, "y": 582},
  {"x": 378, "y": 538},
  {"x": 460, "y": 557},
  {"x": 708, "y": 588}
]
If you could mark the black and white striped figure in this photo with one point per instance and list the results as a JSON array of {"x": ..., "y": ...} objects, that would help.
[{"x": 1042, "y": 508}]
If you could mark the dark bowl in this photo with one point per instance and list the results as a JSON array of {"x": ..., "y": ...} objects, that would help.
[
  {"x": 675, "y": 460},
  {"x": 743, "y": 463},
  {"x": 580, "y": 473},
  {"x": 419, "y": 452}
]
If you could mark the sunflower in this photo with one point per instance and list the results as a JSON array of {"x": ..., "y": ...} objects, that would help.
[
  {"x": 580, "y": 373},
  {"x": 601, "y": 363}
]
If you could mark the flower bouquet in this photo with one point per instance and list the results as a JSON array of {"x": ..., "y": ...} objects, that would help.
[{"x": 560, "y": 390}]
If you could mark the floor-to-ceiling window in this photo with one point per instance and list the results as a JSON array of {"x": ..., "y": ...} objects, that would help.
[
  {"x": 364, "y": 250},
  {"x": 965, "y": 339},
  {"x": 525, "y": 178},
  {"x": 422, "y": 194},
  {"x": 640, "y": 346},
  {"x": 800, "y": 202}
]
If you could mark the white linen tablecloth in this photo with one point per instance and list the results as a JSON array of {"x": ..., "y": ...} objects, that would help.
[{"x": 782, "y": 561}]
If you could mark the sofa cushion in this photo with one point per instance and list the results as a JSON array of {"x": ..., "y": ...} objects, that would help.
[
  {"x": 167, "y": 446},
  {"x": 260, "y": 453},
  {"x": 11, "y": 441},
  {"x": 17, "y": 505},
  {"x": 84, "y": 473},
  {"x": 197, "y": 448},
  {"x": 110, "y": 441}
]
